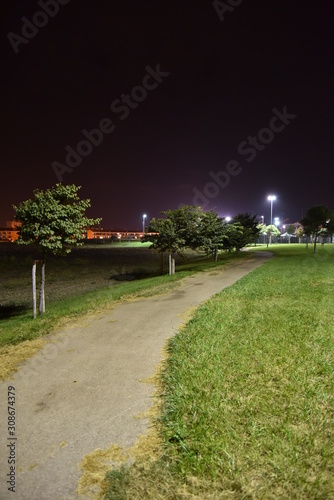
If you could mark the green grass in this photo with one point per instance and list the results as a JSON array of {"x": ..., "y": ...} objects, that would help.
[
  {"x": 247, "y": 398},
  {"x": 130, "y": 244},
  {"x": 16, "y": 323}
]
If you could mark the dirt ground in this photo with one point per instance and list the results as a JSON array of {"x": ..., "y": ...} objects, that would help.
[
  {"x": 83, "y": 390},
  {"x": 86, "y": 268}
]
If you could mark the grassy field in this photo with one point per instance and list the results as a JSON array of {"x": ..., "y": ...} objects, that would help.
[
  {"x": 88, "y": 279},
  {"x": 247, "y": 392},
  {"x": 85, "y": 269}
]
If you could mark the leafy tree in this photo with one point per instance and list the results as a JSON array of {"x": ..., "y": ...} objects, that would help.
[
  {"x": 271, "y": 231},
  {"x": 179, "y": 229},
  {"x": 214, "y": 233},
  {"x": 165, "y": 239},
  {"x": 190, "y": 227},
  {"x": 319, "y": 221},
  {"x": 250, "y": 229},
  {"x": 299, "y": 233},
  {"x": 233, "y": 233},
  {"x": 53, "y": 220},
  {"x": 262, "y": 230}
]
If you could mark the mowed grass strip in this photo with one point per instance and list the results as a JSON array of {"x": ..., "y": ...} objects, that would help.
[{"x": 248, "y": 391}]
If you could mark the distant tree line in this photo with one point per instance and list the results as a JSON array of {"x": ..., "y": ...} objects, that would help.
[
  {"x": 189, "y": 227},
  {"x": 318, "y": 222}
]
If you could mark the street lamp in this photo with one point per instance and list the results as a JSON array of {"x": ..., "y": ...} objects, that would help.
[
  {"x": 228, "y": 219},
  {"x": 144, "y": 217},
  {"x": 271, "y": 198}
]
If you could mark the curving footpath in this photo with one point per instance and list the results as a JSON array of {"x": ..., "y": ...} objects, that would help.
[{"x": 82, "y": 390}]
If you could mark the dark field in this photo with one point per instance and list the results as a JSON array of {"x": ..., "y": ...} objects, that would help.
[{"x": 86, "y": 268}]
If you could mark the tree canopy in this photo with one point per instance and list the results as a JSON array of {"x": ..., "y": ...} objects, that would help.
[
  {"x": 319, "y": 221},
  {"x": 271, "y": 231},
  {"x": 250, "y": 229},
  {"x": 190, "y": 227},
  {"x": 54, "y": 220}
]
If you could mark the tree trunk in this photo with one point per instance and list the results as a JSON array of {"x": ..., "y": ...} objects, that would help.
[
  {"x": 315, "y": 245},
  {"x": 216, "y": 254},
  {"x": 173, "y": 264},
  {"x": 169, "y": 264},
  {"x": 42, "y": 289},
  {"x": 34, "y": 290}
]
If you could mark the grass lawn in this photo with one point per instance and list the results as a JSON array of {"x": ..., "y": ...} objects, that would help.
[
  {"x": 247, "y": 391},
  {"x": 89, "y": 279}
]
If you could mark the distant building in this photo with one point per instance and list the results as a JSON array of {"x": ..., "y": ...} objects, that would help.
[
  {"x": 10, "y": 232},
  {"x": 98, "y": 233}
]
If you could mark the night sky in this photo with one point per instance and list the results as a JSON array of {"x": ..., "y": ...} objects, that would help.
[{"x": 199, "y": 103}]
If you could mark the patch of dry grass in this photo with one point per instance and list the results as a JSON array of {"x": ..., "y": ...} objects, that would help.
[{"x": 12, "y": 356}]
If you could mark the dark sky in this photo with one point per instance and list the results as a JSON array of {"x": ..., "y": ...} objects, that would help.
[{"x": 222, "y": 83}]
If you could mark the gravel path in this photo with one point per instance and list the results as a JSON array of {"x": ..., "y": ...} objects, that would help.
[{"x": 82, "y": 390}]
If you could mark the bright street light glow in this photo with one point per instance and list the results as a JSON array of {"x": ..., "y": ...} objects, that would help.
[
  {"x": 227, "y": 219},
  {"x": 144, "y": 217},
  {"x": 271, "y": 198}
]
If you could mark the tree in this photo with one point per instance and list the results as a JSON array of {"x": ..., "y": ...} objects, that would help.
[
  {"x": 215, "y": 234},
  {"x": 319, "y": 221},
  {"x": 299, "y": 233},
  {"x": 271, "y": 230},
  {"x": 234, "y": 234},
  {"x": 262, "y": 230},
  {"x": 190, "y": 227},
  {"x": 250, "y": 229},
  {"x": 180, "y": 229},
  {"x": 186, "y": 221},
  {"x": 165, "y": 238},
  {"x": 53, "y": 220}
]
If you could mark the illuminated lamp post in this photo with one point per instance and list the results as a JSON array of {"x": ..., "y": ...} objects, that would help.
[
  {"x": 144, "y": 218},
  {"x": 271, "y": 198}
]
